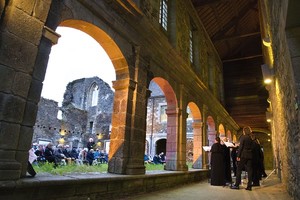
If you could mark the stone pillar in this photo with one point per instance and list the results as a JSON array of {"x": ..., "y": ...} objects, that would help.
[
  {"x": 205, "y": 161},
  {"x": 197, "y": 149},
  {"x": 173, "y": 154},
  {"x": 127, "y": 141},
  {"x": 20, "y": 88},
  {"x": 120, "y": 132}
]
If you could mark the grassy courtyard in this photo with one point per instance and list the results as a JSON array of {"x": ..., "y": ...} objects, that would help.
[{"x": 73, "y": 168}]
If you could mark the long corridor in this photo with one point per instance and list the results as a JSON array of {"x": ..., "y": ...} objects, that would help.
[{"x": 270, "y": 189}]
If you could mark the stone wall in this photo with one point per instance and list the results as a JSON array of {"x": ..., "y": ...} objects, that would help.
[
  {"x": 283, "y": 57},
  {"x": 97, "y": 186}
]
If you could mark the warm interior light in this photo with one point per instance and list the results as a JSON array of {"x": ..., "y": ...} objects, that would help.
[
  {"x": 266, "y": 41},
  {"x": 269, "y": 116},
  {"x": 268, "y": 81},
  {"x": 267, "y": 73}
]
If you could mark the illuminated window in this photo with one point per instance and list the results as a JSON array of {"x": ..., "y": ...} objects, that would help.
[
  {"x": 163, "y": 14},
  {"x": 163, "y": 115}
]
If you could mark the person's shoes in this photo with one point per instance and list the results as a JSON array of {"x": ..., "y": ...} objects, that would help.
[
  {"x": 235, "y": 187},
  {"x": 248, "y": 188},
  {"x": 255, "y": 184}
]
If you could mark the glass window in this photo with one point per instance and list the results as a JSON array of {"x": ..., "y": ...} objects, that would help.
[
  {"x": 191, "y": 47},
  {"x": 163, "y": 14}
]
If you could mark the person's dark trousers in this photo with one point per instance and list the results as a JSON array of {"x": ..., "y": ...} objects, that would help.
[
  {"x": 248, "y": 163},
  {"x": 30, "y": 169}
]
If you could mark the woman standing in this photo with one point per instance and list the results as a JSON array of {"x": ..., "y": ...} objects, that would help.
[{"x": 217, "y": 164}]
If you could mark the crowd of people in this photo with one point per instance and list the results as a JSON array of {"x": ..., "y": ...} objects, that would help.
[
  {"x": 63, "y": 155},
  {"x": 157, "y": 158},
  {"x": 229, "y": 161}
]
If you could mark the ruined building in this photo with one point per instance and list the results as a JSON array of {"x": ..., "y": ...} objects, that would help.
[{"x": 85, "y": 112}]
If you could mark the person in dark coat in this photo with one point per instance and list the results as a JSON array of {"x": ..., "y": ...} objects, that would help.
[
  {"x": 217, "y": 176},
  {"x": 245, "y": 158},
  {"x": 227, "y": 163},
  {"x": 233, "y": 158},
  {"x": 257, "y": 162},
  {"x": 49, "y": 154},
  {"x": 91, "y": 144}
]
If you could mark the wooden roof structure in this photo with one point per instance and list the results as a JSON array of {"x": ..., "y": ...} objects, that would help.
[{"x": 234, "y": 29}]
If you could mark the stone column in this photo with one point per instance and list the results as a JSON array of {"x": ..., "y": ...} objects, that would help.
[
  {"x": 21, "y": 85},
  {"x": 173, "y": 154},
  {"x": 121, "y": 126},
  {"x": 205, "y": 161},
  {"x": 197, "y": 150},
  {"x": 127, "y": 145}
]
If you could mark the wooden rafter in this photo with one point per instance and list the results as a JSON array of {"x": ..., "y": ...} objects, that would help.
[{"x": 234, "y": 21}]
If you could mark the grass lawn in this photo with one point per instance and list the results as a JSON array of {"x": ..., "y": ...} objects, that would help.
[{"x": 73, "y": 168}]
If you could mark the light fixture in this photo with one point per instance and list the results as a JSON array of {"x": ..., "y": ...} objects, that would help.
[
  {"x": 268, "y": 116},
  {"x": 266, "y": 41},
  {"x": 267, "y": 73}
]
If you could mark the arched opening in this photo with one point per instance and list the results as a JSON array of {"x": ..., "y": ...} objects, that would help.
[
  {"x": 170, "y": 112},
  {"x": 160, "y": 146},
  {"x": 211, "y": 130},
  {"x": 156, "y": 124},
  {"x": 221, "y": 131},
  {"x": 196, "y": 130},
  {"x": 90, "y": 92}
]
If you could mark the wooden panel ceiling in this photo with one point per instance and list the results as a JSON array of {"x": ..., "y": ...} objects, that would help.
[{"x": 234, "y": 28}]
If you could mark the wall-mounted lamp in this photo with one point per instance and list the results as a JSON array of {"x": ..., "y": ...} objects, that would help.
[
  {"x": 268, "y": 116},
  {"x": 268, "y": 73},
  {"x": 266, "y": 41}
]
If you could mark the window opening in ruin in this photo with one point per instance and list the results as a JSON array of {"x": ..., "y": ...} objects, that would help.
[
  {"x": 91, "y": 127},
  {"x": 94, "y": 94},
  {"x": 163, "y": 14},
  {"x": 59, "y": 115}
]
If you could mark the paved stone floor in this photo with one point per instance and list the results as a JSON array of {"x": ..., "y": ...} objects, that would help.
[{"x": 270, "y": 189}]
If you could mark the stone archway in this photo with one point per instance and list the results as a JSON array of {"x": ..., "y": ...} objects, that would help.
[
  {"x": 197, "y": 136},
  {"x": 221, "y": 131},
  {"x": 211, "y": 130},
  {"x": 173, "y": 151}
]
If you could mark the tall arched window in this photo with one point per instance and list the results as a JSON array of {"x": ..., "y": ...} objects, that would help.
[{"x": 94, "y": 94}]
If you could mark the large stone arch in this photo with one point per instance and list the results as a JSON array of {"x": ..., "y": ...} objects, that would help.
[
  {"x": 119, "y": 154},
  {"x": 174, "y": 152},
  {"x": 197, "y": 135},
  {"x": 107, "y": 43}
]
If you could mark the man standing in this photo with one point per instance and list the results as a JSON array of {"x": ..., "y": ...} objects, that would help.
[{"x": 244, "y": 158}]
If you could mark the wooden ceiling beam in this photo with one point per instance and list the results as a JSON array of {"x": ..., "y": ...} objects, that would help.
[
  {"x": 242, "y": 58},
  {"x": 200, "y": 3},
  {"x": 234, "y": 21},
  {"x": 233, "y": 37}
]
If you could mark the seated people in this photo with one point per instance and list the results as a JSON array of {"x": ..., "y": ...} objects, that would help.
[
  {"x": 49, "y": 154},
  {"x": 40, "y": 153},
  {"x": 90, "y": 157},
  {"x": 58, "y": 152},
  {"x": 82, "y": 157},
  {"x": 103, "y": 156}
]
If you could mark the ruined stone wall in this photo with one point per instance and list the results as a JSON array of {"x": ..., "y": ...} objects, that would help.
[{"x": 76, "y": 114}]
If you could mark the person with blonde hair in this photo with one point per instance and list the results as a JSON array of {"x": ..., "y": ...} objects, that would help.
[{"x": 244, "y": 158}]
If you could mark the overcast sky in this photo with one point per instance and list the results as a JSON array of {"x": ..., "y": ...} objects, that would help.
[{"x": 75, "y": 56}]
